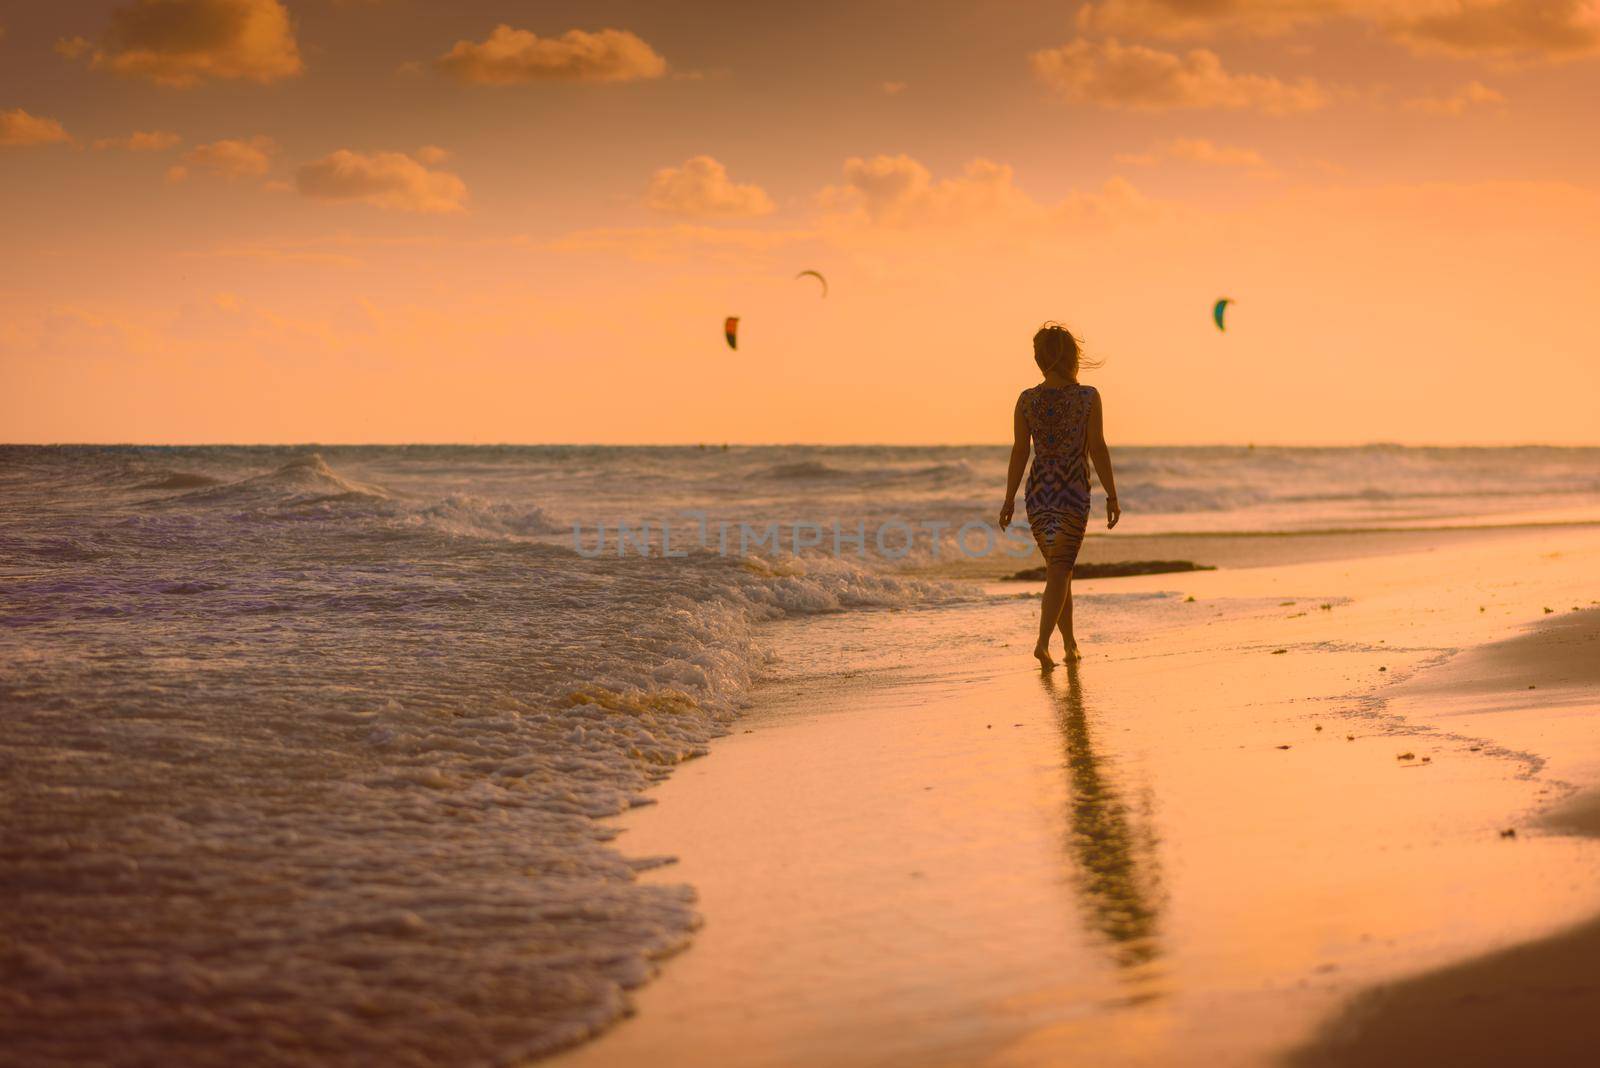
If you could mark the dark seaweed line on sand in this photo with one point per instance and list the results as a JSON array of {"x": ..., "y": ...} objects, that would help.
[{"x": 1120, "y": 569}]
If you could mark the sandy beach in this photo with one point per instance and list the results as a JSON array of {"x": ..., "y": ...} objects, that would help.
[
  {"x": 1317, "y": 811},
  {"x": 524, "y": 530},
  {"x": 352, "y": 757}
]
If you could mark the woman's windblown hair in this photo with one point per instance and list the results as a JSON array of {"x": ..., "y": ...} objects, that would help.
[{"x": 1055, "y": 347}]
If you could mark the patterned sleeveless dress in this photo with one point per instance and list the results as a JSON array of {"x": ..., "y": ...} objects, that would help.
[{"x": 1058, "y": 482}]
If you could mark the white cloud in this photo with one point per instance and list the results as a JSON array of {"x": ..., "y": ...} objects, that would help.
[
  {"x": 281, "y": 256},
  {"x": 19, "y": 129},
  {"x": 1504, "y": 30},
  {"x": 141, "y": 141},
  {"x": 670, "y": 244},
  {"x": 1469, "y": 96},
  {"x": 390, "y": 180},
  {"x": 517, "y": 57},
  {"x": 1193, "y": 18},
  {"x": 899, "y": 192},
  {"x": 1146, "y": 79},
  {"x": 1201, "y": 151},
  {"x": 1494, "y": 29},
  {"x": 701, "y": 188},
  {"x": 72, "y": 47},
  {"x": 432, "y": 155},
  {"x": 229, "y": 158},
  {"x": 181, "y": 43}
]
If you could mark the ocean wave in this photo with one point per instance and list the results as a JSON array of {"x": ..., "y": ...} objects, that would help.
[
  {"x": 179, "y": 480},
  {"x": 51, "y": 548},
  {"x": 814, "y": 470},
  {"x": 1152, "y": 497},
  {"x": 303, "y": 481},
  {"x": 367, "y": 711},
  {"x": 465, "y": 514},
  {"x": 942, "y": 472},
  {"x": 377, "y": 745},
  {"x": 804, "y": 469}
]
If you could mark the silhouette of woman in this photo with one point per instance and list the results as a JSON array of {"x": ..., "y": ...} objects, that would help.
[{"x": 1064, "y": 422}]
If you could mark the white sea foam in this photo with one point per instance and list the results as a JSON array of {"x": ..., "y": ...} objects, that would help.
[{"x": 299, "y": 769}]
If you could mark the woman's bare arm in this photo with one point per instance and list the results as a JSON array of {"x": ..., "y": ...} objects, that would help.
[
  {"x": 1101, "y": 455},
  {"x": 1019, "y": 462}
]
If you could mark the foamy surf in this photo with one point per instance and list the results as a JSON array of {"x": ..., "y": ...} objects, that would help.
[{"x": 300, "y": 769}]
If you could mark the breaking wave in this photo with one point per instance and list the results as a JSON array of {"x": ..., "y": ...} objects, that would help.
[{"x": 316, "y": 734}]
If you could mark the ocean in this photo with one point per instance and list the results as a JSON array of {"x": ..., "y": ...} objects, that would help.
[{"x": 306, "y": 749}]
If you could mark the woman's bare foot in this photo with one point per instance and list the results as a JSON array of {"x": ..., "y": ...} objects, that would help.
[
  {"x": 1042, "y": 651},
  {"x": 1072, "y": 651}
]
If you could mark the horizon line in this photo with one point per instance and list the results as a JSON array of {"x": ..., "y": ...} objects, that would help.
[{"x": 760, "y": 445}]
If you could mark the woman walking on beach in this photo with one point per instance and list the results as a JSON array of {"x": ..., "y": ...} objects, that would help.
[{"x": 1064, "y": 422}]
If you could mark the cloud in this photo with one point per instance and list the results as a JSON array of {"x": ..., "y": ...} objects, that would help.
[
  {"x": 1508, "y": 30},
  {"x": 141, "y": 141},
  {"x": 68, "y": 334},
  {"x": 1196, "y": 18},
  {"x": 390, "y": 180},
  {"x": 1116, "y": 201},
  {"x": 181, "y": 43},
  {"x": 1201, "y": 151},
  {"x": 670, "y": 244},
  {"x": 518, "y": 57},
  {"x": 19, "y": 129},
  {"x": 229, "y": 158},
  {"x": 894, "y": 88},
  {"x": 339, "y": 249},
  {"x": 900, "y": 193},
  {"x": 701, "y": 188},
  {"x": 1146, "y": 79},
  {"x": 72, "y": 47},
  {"x": 432, "y": 155},
  {"x": 1471, "y": 95},
  {"x": 287, "y": 257}
]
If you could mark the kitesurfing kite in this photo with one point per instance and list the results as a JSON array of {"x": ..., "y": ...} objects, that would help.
[
  {"x": 1220, "y": 307},
  {"x": 730, "y": 330},
  {"x": 818, "y": 276}
]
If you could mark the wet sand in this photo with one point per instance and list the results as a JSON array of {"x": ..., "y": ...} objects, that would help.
[
  {"x": 1269, "y": 548},
  {"x": 1246, "y": 823},
  {"x": 1530, "y": 1004}
]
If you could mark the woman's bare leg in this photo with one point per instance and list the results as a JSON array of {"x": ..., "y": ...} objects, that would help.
[
  {"x": 1064, "y": 624},
  {"x": 1056, "y": 584}
]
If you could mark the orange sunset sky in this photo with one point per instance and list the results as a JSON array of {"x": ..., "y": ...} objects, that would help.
[{"x": 475, "y": 221}]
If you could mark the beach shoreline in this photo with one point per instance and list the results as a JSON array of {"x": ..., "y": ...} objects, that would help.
[
  {"x": 347, "y": 737},
  {"x": 1532, "y": 1002},
  {"x": 1192, "y": 998}
]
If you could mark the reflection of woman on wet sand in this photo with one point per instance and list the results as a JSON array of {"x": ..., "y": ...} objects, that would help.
[
  {"x": 1119, "y": 886},
  {"x": 1064, "y": 422}
]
